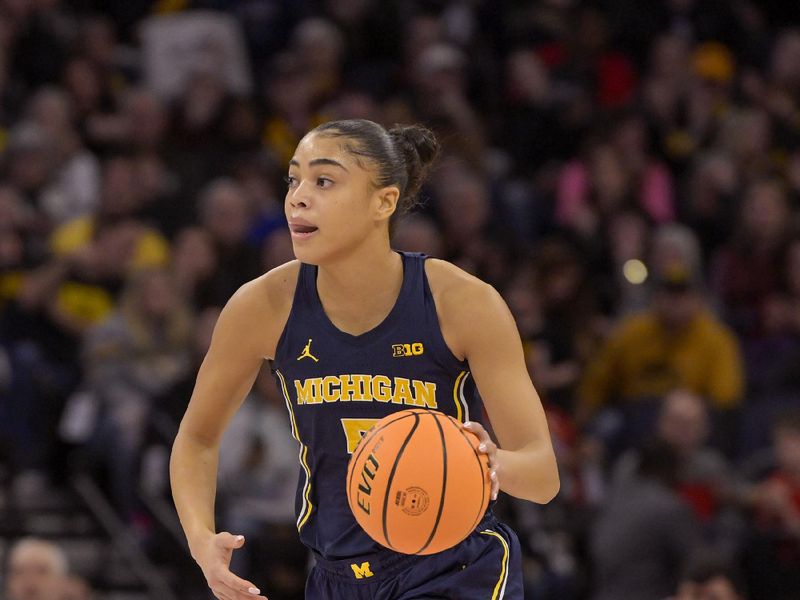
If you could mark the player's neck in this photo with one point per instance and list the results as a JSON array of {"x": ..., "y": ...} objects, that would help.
[
  {"x": 368, "y": 270},
  {"x": 368, "y": 280}
]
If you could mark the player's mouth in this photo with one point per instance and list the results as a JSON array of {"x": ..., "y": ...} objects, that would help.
[{"x": 301, "y": 229}]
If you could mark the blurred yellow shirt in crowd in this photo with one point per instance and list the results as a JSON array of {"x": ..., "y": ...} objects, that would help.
[
  {"x": 643, "y": 359},
  {"x": 87, "y": 303},
  {"x": 152, "y": 249}
]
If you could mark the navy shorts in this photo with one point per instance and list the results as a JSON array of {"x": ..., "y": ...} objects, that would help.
[{"x": 485, "y": 566}]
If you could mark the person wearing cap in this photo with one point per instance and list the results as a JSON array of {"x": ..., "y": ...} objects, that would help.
[{"x": 676, "y": 342}]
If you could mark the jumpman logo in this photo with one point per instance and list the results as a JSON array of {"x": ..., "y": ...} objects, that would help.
[{"x": 306, "y": 353}]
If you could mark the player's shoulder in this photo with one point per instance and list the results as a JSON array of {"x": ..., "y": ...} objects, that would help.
[
  {"x": 469, "y": 309},
  {"x": 454, "y": 287},
  {"x": 274, "y": 290},
  {"x": 260, "y": 308}
]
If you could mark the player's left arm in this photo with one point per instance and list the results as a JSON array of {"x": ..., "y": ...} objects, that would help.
[{"x": 486, "y": 335}]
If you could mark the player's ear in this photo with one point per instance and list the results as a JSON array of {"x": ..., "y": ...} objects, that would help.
[{"x": 385, "y": 203}]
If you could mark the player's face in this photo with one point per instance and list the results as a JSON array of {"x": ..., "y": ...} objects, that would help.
[{"x": 332, "y": 204}]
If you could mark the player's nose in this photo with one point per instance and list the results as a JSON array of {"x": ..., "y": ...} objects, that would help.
[{"x": 301, "y": 195}]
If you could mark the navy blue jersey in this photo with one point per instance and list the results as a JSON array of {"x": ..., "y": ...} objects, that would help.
[{"x": 336, "y": 385}]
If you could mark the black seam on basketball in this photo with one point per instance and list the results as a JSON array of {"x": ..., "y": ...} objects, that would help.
[
  {"x": 362, "y": 445},
  {"x": 391, "y": 478},
  {"x": 444, "y": 485},
  {"x": 480, "y": 468}
]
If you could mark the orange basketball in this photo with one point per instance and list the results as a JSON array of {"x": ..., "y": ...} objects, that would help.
[{"x": 416, "y": 483}]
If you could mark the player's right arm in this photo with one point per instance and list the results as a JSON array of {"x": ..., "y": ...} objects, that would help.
[{"x": 246, "y": 333}]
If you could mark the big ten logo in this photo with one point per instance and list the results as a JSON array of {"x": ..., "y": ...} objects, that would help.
[{"x": 415, "y": 349}]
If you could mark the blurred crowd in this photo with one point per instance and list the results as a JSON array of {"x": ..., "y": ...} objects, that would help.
[{"x": 625, "y": 172}]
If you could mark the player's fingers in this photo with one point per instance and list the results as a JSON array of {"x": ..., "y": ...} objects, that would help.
[
  {"x": 228, "y": 540},
  {"x": 241, "y": 587},
  {"x": 245, "y": 596},
  {"x": 488, "y": 447},
  {"x": 222, "y": 591},
  {"x": 476, "y": 428},
  {"x": 235, "y": 594},
  {"x": 490, "y": 450}
]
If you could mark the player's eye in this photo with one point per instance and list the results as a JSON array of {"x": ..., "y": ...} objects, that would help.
[
  {"x": 324, "y": 182},
  {"x": 291, "y": 181}
]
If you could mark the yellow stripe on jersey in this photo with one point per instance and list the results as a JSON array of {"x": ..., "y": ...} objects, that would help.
[
  {"x": 500, "y": 588},
  {"x": 462, "y": 412},
  {"x": 305, "y": 512}
]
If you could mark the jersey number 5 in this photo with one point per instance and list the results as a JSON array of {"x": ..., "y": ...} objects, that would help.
[{"x": 354, "y": 429}]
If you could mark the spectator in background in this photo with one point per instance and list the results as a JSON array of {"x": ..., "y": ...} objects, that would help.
[
  {"x": 319, "y": 46},
  {"x": 591, "y": 189},
  {"x": 419, "y": 233},
  {"x": 664, "y": 90},
  {"x": 132, "y": 358},
  {"x": 194, "y": 263},
  {"x": 39, "y": 41},
  {"x": 772, "y": 359},
  {"x": 225, "y": 215},
  {"x": 75, "y": 588},
  {"x": 531, "y": 129},
  {"x": 197, "y": 152},
  {"x": 36, "y": 570},
  {"x": 652, "y": 182},
  {"x": 174, "y": 399},
  {"x": 276, "y": 249},
  {"x": 121, "y": 202},
  {"x": 471, "y": 229},
  {"x": 745, "y": 271},
  {"x": 675, "y": 343},
  {"x": 710, "y": 579},
  {"x": 705, "y": 480},
  {"x": 289, "y": 93},
  {"x": 438, "y": 96},
  {"x": 74, "y": 186},
  {"x": 712, "y": 184},
  {"x": 676, "y": 244},
  {"x": 781, "y": 318},
  {"x": 645, "y": 533},
  {"x": 91, "y": 96},
  {"x": 139, "y": 126},
  {"x": 30, "y": 162},
  {"x": 570, "y": 314},
  {"x": 262, "y": 181},
  {"x": 619, "y": 173},
  {"x": 772, "y": 550},
  {"x": 773, "y": 88},
  {"x": 98, "y": 42}
]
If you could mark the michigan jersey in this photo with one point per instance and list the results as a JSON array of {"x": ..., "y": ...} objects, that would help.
[{"x": 337, "y": 385}]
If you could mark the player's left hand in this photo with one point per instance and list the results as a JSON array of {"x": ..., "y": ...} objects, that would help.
[{"x": 489, "y": 448}]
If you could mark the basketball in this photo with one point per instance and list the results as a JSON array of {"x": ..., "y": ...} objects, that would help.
[{"x": 417, "y": 483}]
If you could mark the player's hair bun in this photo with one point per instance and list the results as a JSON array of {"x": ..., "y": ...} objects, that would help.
[{"x": 419, "y": 148}]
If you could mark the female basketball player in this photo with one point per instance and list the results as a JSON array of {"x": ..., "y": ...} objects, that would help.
[{"x": 337, "y": 324}]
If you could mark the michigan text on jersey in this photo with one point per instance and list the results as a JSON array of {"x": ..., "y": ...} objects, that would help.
[{"x": 366, "y": 388}]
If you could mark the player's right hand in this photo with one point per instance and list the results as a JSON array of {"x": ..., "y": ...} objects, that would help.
[{"x": 214, "y": 558}]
